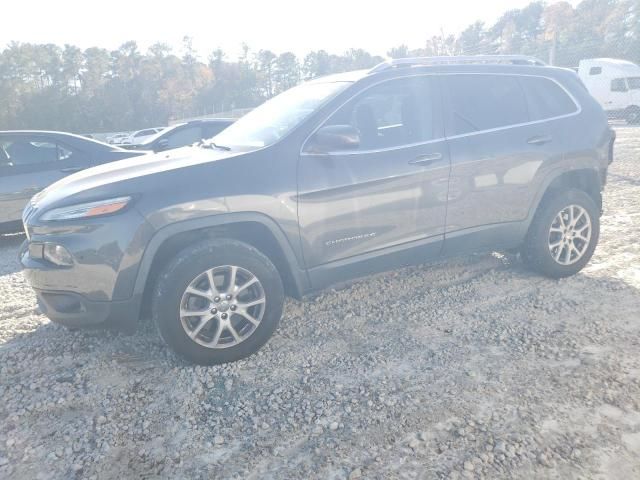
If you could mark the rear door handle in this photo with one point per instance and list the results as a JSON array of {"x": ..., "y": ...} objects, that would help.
[
  {"x": 70, "y": 169},
  {"x": 539, "y": 140},
  {"x": 426, "y": 159}
]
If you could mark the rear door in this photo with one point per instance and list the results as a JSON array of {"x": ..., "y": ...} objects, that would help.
[
  {"x": 502, "y": 130},
  {"x": 388, "y": 192},
  {"x": 29, "y": 163}
]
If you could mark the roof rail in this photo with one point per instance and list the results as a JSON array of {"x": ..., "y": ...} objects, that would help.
[{"x": 458, "y": 60}]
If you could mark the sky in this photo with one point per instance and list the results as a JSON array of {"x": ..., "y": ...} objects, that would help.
[{"x": 279, "y": 25}]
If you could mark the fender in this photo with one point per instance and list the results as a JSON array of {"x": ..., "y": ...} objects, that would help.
[
  {"x": 546, "y": 183},
  {"x": 298, "y": 274}
]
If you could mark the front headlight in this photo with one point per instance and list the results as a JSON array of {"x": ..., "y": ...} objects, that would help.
[{"x": 87, "y": 210}]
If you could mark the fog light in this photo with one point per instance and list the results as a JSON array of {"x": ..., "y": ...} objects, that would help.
[{"x": 57, "y": 255}]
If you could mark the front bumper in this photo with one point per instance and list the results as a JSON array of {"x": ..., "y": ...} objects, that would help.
[
  {"x": 76, "y": 311},
  {"x": 98, "y": 289}
]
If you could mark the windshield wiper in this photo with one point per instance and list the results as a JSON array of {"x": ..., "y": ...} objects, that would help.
[{"x": 213, "y": 145}]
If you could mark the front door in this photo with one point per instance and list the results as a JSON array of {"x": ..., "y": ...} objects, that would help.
[{"x": 390, "y": 191}]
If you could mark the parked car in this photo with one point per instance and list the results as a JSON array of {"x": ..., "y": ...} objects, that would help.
[
  {"x": 117, "y": 138},
  {"x": 31, "y": 160},
  {"x": 615, "y": 84},
  {"x": 343, "y": 176},
  {"x": 183, "y": 134},
  {"x": 141, "y": 136}
]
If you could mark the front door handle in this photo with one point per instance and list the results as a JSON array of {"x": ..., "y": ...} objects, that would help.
[
  {"x": 426, "y": 159},
  {"x": 539, "y": 140},
  {"x": 70, "y": 169}
]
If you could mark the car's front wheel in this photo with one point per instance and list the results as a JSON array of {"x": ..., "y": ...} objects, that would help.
[
  {"x": 218, "y": 301},
  {"x": 563, "y": 234}
]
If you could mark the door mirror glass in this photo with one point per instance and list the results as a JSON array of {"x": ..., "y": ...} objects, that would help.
[{"x": 334, "y": 138}]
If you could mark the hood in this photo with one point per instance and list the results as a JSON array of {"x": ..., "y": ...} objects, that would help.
[{"x": 131, "y": 168}]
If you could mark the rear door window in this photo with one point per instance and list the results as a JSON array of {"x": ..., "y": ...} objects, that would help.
[
  {"x": 25, "y": 151},
  {"x": 484, "y": 102},
  {"x": 546, "y": 99}
]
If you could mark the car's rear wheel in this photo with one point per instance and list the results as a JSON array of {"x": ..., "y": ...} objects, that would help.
[
  {"x": 563, "y": 235},
  {"x": 218, "y": 301}
]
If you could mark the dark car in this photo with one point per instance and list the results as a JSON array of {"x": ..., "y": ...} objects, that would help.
[
  {"x": 183, "y": 134},
  {"x": 31, "y": 160},
  {"x": 341, "y": 177}
]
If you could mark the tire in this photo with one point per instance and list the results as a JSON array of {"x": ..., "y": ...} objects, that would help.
[
  {"x": 537, "y": 251},
  {"x": 632, "y": 115},
  {"x": 213, "y": 343}
]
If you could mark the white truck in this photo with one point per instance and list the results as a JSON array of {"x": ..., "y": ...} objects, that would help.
[{"x": 615, "y": 84}]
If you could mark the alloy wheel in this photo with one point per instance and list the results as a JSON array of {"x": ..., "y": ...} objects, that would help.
[
  {"x": 570, "y": 235},
  {"x": 222, "y": 306}
]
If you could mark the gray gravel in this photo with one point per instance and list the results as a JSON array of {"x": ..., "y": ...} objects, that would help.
[{"x": 474, "y": 368}]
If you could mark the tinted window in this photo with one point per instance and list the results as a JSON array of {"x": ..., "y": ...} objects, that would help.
[
  {"x": 18, "y": 151},
  {"x": 185, "y": 136},
  {"x": 546, "y": 99},
  {"x": 212, "y": 129},
  {"x": 634, "y": 83},
  {"x": 483, "y": 102},
  {"x": 618, "y": 85},
  {"x": 392, "y": 114},
  {"x": 144, "y": 133},
  {"x": 595, "y": 70}
]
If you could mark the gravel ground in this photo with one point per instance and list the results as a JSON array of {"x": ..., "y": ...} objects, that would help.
[{"x": 482, "y": 370}]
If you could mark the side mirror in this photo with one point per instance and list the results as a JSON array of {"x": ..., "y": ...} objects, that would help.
[
  {"x": 334, "y": 138},
  {"x": 162, "y": 145}
]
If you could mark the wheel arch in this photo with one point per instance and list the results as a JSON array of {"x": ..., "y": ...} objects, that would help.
[
  {"x": 255, "y": 229},
  {"x": 585, "y": 179}
]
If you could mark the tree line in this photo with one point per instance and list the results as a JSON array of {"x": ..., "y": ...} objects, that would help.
[{"x": 45, "y": 86}]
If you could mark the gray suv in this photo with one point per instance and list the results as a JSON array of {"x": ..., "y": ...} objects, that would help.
[{"x": 340, "y": 177}]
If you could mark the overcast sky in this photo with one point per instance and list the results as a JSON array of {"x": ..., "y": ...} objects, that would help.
[{"x": 278, "y": 25}]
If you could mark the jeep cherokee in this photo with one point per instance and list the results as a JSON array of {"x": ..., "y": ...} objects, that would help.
[{"x": 334, "y": 179}]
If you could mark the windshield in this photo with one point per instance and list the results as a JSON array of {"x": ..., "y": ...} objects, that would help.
[
  {"x": 634, "y": 83},
  {"x": 273, "y": 119}
]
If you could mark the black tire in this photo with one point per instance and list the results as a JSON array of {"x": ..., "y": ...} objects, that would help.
[
  {"x": 632, "y": 115},
  {"x": 535, "y": 251},
  {"x": 187, "y": 265}
]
